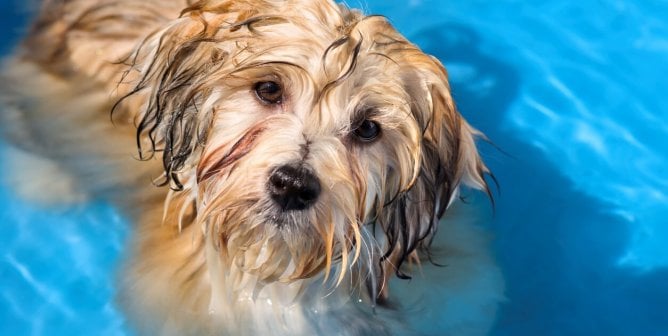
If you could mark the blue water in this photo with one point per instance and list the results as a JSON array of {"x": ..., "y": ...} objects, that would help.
[{"x": 573, "y": 92}]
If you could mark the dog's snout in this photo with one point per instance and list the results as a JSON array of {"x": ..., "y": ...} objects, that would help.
[{"x": 293, "y": 188}]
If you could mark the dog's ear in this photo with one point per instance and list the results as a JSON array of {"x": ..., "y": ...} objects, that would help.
[
  {"x": 175, "y": 70},
  {"x": 449, "y": 154},
  {"x": 447, "y": 158}
]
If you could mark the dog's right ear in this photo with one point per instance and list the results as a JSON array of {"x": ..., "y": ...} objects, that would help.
[{"x": 173, "y": 70}]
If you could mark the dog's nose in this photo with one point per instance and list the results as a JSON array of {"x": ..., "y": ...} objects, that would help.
[{"x": 293, "y": 188}]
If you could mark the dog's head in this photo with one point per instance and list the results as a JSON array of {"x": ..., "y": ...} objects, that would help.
[{"x": 310, "y": 139}]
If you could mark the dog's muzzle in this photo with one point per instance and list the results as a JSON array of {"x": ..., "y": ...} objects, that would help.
[{"x": 293, "y": 187}]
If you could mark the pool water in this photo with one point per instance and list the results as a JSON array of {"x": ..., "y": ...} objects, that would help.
[{"x": 573, "y": 94}]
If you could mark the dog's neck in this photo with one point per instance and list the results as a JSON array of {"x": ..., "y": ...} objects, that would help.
[
  {"x": 213, "y": 295},
  {"x": 240, "y": 300}
]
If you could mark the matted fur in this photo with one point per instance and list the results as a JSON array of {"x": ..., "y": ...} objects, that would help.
[{"x": 95, "y": 81}]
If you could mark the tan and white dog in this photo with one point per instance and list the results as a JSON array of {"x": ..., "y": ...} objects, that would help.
[{"x": 283, "y": 160}]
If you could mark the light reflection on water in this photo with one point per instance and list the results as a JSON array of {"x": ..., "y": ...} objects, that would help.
[
  {"x": 57, "y": 269},
  {"x": 573, "y": 92}
]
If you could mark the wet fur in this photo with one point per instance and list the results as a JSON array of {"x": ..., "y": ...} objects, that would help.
[{"x": 149, "y": 104}]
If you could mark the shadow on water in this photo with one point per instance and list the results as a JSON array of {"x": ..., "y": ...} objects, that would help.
[
  {"x": 558, "y": 247},
  {"x": 13, "y": 22}
]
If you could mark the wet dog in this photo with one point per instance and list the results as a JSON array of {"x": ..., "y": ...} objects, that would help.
[{"x": 284, "y": 160}]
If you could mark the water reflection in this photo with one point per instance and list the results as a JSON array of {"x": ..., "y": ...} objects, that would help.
[{"x": 560, "y": 234}]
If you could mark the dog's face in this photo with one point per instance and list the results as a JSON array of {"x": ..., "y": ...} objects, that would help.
[{"x": 307, "y": 138}]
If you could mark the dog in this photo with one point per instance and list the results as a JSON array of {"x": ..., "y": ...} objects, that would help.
[{"x": 286, "y": 164}]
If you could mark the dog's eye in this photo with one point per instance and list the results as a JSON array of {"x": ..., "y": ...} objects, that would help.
[
  {"x": 367, "y": 130},
  {"x": 269, "y": 92}
]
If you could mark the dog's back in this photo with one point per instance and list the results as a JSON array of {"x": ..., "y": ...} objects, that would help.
[{"x": 57, "y": 92}]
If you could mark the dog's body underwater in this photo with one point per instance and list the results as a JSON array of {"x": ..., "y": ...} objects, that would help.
[{"x": 283, "y": 160}]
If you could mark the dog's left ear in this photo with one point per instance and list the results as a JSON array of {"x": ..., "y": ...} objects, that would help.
[
  {"x": 449, "y": 154},
  {"x": 447, "y": 158}
]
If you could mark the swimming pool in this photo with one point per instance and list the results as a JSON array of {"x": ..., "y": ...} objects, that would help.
[{"x": 574, "y": 95}]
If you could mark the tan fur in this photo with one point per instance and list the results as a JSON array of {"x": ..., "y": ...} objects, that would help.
[{"x": 126, "y": 94}]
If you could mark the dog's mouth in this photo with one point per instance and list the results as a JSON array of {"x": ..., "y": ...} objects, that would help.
[{"x": 286, "y": 220}]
